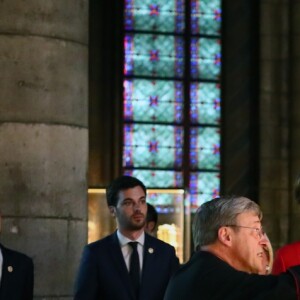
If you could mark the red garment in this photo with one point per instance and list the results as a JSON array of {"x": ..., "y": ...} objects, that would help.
[{"x": 286, "y": 256}]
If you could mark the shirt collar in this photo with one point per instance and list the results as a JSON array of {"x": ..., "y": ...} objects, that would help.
[{"x": 123, "y": 240}]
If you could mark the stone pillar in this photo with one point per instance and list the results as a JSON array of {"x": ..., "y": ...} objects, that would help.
[
  {"x": 274, "y": 196},
  {"x": 280, "y": 118},
  {"x": 44, "y": 136},
  {"x": 294, "y": 233}
]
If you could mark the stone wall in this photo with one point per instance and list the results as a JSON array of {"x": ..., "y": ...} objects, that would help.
[{"x": 279, "y": 118}]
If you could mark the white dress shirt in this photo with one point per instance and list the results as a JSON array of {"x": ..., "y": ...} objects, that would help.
[{"x": 127, "y": 249}]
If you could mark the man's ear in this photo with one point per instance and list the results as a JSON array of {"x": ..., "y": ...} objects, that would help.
[
  {"x": 112, "y": 211},
  {"x": 224, "y": 235}
]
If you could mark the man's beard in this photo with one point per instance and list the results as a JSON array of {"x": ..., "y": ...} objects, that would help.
[{"x": 128, "y": 223}]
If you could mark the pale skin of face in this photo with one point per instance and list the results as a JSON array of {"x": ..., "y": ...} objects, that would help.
[
  {"x": 242, "y": 248},
  {"x": 267, "y": 261},
  {"x": 131, "y": 212}
]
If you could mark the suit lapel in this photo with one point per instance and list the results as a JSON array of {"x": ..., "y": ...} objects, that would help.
[
  {"x": 148, "y": 264},
  {"x": 7, "y": 268},
  {"x": 119, "y": 264}
]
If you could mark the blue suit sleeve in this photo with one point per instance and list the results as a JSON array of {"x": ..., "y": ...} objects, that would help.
[{"x": 86, "y": 285}]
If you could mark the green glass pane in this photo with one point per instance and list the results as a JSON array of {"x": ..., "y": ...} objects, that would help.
[
  {"x": 158, "y": 179},
  {"x": 205, "y": 105},
  {"x": 205, "y": 58},
  {"x": 153, "y": 55},
  {"x": 206, "y": 17},
  {"x": 166, "y": 202},
  {"x": 153, "y": 101},
  {"x": 156, "y": 16},
  {"x": 204, "y": 186},
  {"x": 205, "y": 148},
  {"x": 152, "y": 146}
]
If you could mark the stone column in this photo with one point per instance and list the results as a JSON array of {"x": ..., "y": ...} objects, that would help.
[
  {"x": 44, "y": 136},
  {"x": 294, "y": 233},
  {"x": 274, "y": 118}
]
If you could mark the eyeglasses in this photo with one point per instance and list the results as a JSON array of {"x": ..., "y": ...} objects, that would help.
[{"x": 259, "y": 231}]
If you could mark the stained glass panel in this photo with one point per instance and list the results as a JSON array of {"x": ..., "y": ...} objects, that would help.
[
  {"x": 166, "y": 202},
  {"x": 153, "y": 101},
  {"x": 205, "y": 105},
  {"x": 206, "y": 17},
  {"x": 153, "y": 55},
  {"x": 155, "y": 16},
  {"x": 152, "y": 146},
  {"x": 157, "y": 178},
  {"x": 204, "y": 186},
  {"x": 205, "y": 58},
  {"x": 205, "y": 148}
]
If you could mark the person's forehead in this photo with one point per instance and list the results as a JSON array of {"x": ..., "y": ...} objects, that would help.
[{"x": 248, "y": 218}]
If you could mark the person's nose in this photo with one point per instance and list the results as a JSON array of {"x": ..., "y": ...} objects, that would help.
[
  {"x": 137, "y": 205},
  {"x": 263, "y": 240}
]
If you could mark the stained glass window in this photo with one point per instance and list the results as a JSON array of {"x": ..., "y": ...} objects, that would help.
[
  {"x": 155, "y": 16},
  {"x": 155, "y": 146},
  {"x": 154, "y": 55},
  {"x": 154, "y": 101},
  {"x": 205, "y": 107},
  {"x": 158, "y": 178},
  {"x": 172, "y": 98},
  {"x": 206, "y": 17},
  {"x": 205, "y": 58}
]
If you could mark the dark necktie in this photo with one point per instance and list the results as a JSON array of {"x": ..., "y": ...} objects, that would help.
[{"x": 134, "y": 268}]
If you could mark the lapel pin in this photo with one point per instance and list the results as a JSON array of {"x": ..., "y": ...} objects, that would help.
[
  {"x": 150, "y": 250},
  {"x": 10, "y": 269}
]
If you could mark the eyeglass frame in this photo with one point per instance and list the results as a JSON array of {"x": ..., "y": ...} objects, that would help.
[{"x": 259, "y": 231}]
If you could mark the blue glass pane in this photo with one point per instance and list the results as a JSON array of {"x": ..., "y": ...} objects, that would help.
[
  {"x": 205, "y": 148},
  {"x": 152, "y": 146},
  {"x": 153, "y": 101},
  {"x": 166, "y": 203},
  {"x": 158, "y": 179},
  {"x": 204, "y": 186},
  {"x": 155, "y": 16},
  {"x": 206, "y": 17},
  {"x": 205, "y": 58},
  {"x": 153, "y": 55},
  {"x": 205, "y": 103}
]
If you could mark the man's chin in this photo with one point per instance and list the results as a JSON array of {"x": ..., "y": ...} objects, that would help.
[{"x": 137, "y": 226}]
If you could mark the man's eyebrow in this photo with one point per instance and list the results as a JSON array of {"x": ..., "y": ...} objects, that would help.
[
  {"x": 126, "y": 199},
  {"x": 257, "y": 222}
]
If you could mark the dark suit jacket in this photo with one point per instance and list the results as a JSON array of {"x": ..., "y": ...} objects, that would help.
[
  {"x": 103, "y": 273},
  {"x": 286, "y": 257},
  {"x": 207, "y": 277},
  {"x": 17, "y": 276}
]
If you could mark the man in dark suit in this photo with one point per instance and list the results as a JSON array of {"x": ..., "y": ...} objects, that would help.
[
  {"x": 229, "y": 240},
  {"x": 16, "y": 275},
  {"x": 107, "y": 266}
]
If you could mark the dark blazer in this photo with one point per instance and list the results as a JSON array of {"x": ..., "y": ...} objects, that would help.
[
  {"x": 17, "y": 276},
  {"x": 103, "y": 273},
  {"x": 286, "y": 256},
  {"x": 207, "y": 277}
]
